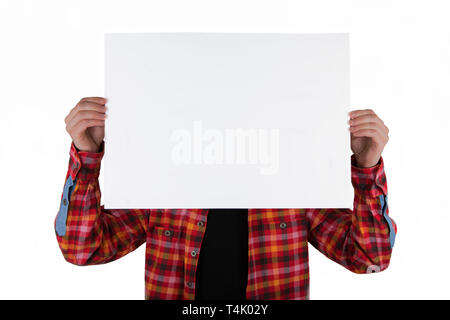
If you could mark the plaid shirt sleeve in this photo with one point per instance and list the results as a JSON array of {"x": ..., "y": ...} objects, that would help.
[
  {"x": 361, "y": 239},
  {"x": 86, "y": 232}
]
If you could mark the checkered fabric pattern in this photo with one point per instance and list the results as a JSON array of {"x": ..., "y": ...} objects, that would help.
[{"x": 361, "y": 239}]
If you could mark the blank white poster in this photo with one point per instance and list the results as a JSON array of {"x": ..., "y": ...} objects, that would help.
[{"x": 221, "y": 120}]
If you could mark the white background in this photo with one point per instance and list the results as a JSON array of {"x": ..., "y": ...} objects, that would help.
[{"x": 51, "y": 55}]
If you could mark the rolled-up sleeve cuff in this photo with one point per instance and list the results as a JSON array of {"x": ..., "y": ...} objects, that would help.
[
  {"x": 369, "y": 181},
  {"x": 84, "y": 165}
]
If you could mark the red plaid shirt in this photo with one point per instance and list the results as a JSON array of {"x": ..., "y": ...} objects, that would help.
[{"x": 360, "y": 240}]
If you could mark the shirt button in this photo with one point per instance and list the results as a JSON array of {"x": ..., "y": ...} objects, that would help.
[
  {"x": 190, "y": 284},
  {"x": 283, "y": 225},
  {"x": 200, "y": 224},
  {"x": 76, "y": 165},
  {"x": 373, "y": 268},
  {"x": 193, "y": 253},
  {"x": 167, "y": 233},
  {"x": 65, "y": 202}
]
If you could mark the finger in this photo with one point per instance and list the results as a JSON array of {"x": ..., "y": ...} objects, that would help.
[
  {"x": 357, "y": 113},
  {"x": 371, "y": 133},
  {"x": 85, "y": 115},
  {"x": 368, "y": 117},
  {"x": 368, "y": 125},
  {"x": 82, "y": 125},
  {"x": 99, "y": 100},
  {"x": 85, "y": 106}
]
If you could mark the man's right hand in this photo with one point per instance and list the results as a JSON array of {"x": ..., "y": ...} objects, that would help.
[{"x": 86, "y": 123}]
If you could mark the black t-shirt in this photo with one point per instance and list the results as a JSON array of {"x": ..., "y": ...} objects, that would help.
[{"x": 223, "y": 261}]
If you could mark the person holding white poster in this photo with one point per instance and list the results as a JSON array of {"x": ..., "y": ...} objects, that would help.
[{"x": 202, "y": 253}]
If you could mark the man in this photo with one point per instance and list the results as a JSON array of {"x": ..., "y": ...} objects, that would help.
[{"x": 237, "y": 254}]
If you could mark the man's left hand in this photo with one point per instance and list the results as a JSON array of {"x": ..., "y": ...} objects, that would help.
[{"x": 369, "y": 136}]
